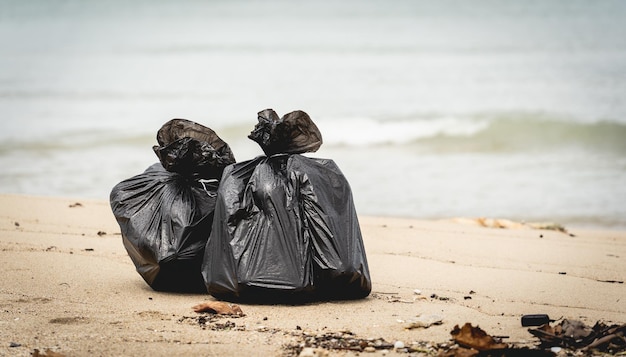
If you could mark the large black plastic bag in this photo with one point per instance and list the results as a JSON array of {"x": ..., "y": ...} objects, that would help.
[
  {"x": 285, "y": 225},
  {"x": 166, "y": 216}
]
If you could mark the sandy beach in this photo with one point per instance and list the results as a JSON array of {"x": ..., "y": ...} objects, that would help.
[{"x": 68, "y": 287}]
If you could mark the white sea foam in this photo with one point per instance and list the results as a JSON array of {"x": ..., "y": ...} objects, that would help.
[
  {"x": 496, "y": 132},
  {"x": 366, "y": 131}
]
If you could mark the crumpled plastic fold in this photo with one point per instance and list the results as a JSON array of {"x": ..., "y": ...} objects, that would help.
[
  {"x": 165, "y": 214},
  {"x": 285, "y": 225}
]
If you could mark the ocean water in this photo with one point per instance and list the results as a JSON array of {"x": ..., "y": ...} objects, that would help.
[{"x": 431, "y": 108}]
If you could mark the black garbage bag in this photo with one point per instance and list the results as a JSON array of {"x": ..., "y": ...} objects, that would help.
[
  {"x": 285, "y": 226},
  {"x": 166, "y": 213}
]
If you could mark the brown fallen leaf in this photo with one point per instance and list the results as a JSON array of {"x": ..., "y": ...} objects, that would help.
[
  {"x": 218, "y": 307},
  {"x": 475, "y": 337}
]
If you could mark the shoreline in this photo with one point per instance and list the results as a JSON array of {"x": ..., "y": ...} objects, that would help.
[{"x": 69, "y": 286}]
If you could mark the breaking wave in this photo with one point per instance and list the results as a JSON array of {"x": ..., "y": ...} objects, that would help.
[
  {"x": 440, "y": 134},
  {"x": 495, "y": 133}
]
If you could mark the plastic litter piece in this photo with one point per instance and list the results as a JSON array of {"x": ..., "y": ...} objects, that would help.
[
  {"x": 165, "y": 216},
  {"x": 535, "y": 320}
]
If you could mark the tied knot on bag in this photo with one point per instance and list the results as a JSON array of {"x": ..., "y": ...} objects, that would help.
[
  {"x": 210, "y": 186},
  {"x": 294, "y": 133},
  {"x": 192, "y": 150}
]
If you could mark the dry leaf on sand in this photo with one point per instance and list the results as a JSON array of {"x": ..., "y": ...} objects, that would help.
[
  {"x": 218, "y": 307},
  {"x": 475, "y": 337}
]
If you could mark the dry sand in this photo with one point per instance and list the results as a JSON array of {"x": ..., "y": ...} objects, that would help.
[{"x": 67, "y": 285}]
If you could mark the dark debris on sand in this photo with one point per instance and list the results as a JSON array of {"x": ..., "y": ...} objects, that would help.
[{"x": 563, "y": 338}]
